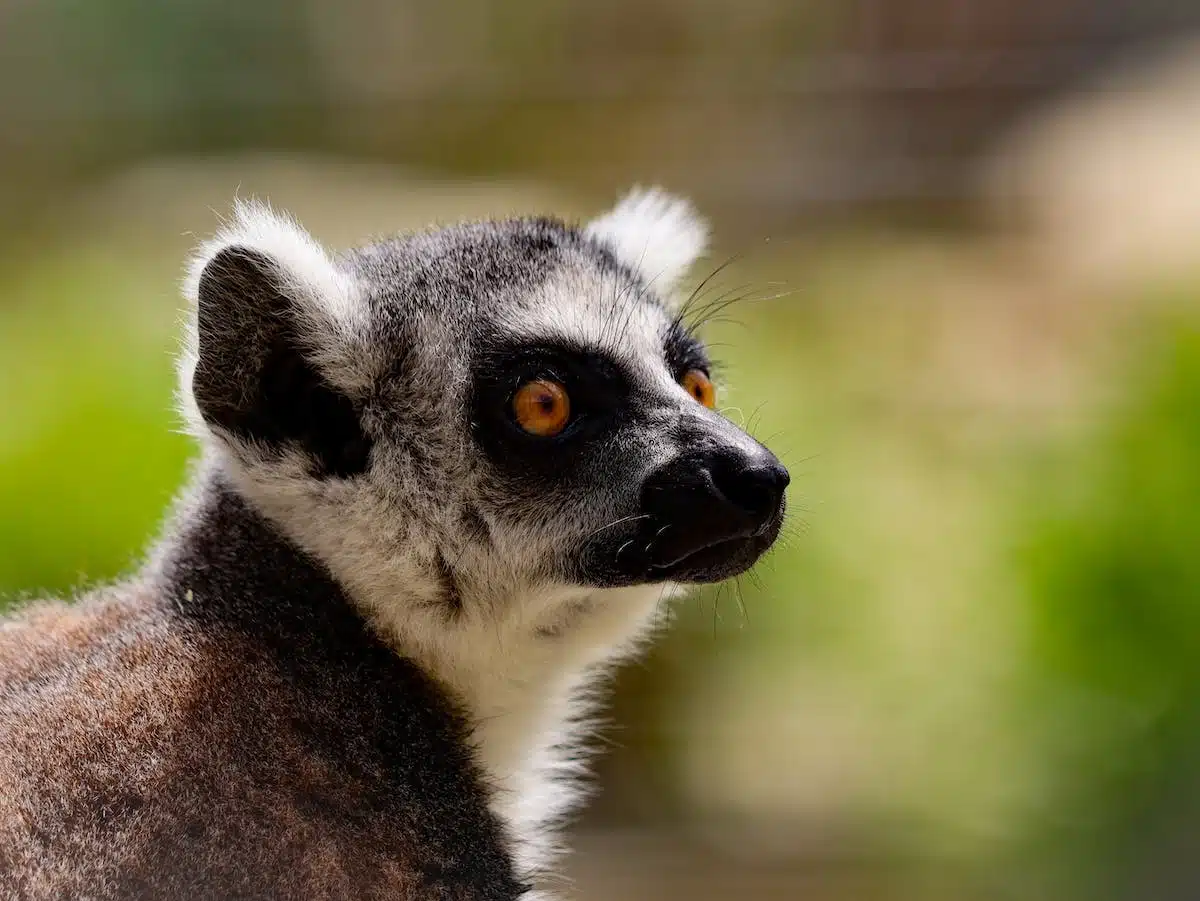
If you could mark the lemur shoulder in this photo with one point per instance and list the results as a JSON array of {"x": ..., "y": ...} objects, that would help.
[{"x": 445, "y": 480}]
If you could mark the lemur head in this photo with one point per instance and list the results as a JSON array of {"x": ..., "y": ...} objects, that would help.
[{"x": 474, "y": 414}]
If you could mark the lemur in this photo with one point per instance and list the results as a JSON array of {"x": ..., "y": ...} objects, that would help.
[{"x": 445, "y": 480}]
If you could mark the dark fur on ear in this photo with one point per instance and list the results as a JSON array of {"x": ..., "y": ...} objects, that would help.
[{"x": 253, "y": 378}]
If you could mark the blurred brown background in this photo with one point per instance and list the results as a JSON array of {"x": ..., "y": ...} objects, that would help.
[{"x": 965, "y": 237}]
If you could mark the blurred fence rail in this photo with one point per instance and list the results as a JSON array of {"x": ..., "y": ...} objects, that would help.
[{"x": 776, "y": 107}]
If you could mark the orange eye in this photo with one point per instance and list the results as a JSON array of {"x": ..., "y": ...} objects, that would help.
[
  {"x": 542, "y": 407},
  {"x": 697, "y": 383}
]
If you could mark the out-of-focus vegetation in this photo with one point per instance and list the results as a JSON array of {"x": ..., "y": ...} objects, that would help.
[
  {"x": 1113, "y": 572},
  {"x": 87, "y": 455},
  {"x": 971, "y": 671}
]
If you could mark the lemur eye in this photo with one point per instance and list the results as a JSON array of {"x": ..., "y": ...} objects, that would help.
[
  {"x": 542, "y": 407},
  {"x": 697, "y": 383}
]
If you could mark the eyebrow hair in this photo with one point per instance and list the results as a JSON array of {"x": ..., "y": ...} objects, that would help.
[
  {"x": 683, "y": 350},
  {"x": 533, "y": 352}
]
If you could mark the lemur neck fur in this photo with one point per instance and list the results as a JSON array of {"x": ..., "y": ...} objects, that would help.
[{"x": 518, "y": 659}]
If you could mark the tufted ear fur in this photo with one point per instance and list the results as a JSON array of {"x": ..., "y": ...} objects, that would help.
[
  {"x": 659, "y": 236},
  {"x": 274, "y": 321}
]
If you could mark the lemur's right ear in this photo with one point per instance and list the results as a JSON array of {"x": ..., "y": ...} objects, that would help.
[
  {"x": 657, "y": 235},
  {"x": 269, "y": 358}
]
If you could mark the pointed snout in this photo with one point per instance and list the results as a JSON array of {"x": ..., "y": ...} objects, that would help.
[{"x": 714, "y": 498}]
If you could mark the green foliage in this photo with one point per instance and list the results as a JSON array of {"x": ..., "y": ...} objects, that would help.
[
  {"x": 1114, "y": 577},
  {"x": 88, "y": 457}
]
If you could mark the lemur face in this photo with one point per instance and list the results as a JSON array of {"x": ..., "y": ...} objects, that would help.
[{"x": 492, "y": 405}]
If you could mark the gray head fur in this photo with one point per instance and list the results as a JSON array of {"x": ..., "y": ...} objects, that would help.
[{"x": 401, "y": 336}]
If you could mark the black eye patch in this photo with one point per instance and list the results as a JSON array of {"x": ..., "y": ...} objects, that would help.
[{"x": 598, "y": 389}]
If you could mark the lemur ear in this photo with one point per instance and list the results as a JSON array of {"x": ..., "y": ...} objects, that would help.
[
  {"x": 657, "y": 235},
  {"x": 273, "y": 315}
]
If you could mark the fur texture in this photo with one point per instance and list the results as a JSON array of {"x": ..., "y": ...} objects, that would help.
[
  {"x": 226, "y": 727},
  {"x": 361, "y": 660}
]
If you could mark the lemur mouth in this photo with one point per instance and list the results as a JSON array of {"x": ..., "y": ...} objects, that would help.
[
  {"x": 703, "y": 517},
  {"x": 713, "y": 560},
  {"x": 716, "y": 549}
]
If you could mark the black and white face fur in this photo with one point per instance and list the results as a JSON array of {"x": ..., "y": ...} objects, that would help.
[{"x": 364, "y": 402}]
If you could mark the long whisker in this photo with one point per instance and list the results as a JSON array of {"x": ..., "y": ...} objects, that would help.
[
  {"x": 743, "y": 293},
  {"x": 699, "y": 314},
  {"x": 621, "y": 550},
  {"x": 717, "y": 608},
  {"x": 753, "y": 416},
  {"x": 659, "y": 613},
  {"x": 650, "y": 543},
  {"x": 615, "y": 523},
  {"x": 685, "y": 307},
  {"x": 713, "y": 310},
  {"x": 737, "y": 593}
]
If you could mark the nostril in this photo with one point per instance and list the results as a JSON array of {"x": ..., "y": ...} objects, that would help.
[
  {"x": 757, "y": 490},
  {"x": 782, "y": 475}
]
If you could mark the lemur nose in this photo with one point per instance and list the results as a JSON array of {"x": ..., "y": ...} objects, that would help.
[
  {"x": 717, "y": 492},
  {"x": 754, "y": 486}
]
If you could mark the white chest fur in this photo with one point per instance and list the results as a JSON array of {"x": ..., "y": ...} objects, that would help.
[{"x": 530, "y": 686}]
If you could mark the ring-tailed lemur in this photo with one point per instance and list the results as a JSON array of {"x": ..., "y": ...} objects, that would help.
[{"x": 445, "y": 480}]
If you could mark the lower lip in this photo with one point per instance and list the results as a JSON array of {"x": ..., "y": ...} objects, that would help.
[{"x": 738, "y": 541}]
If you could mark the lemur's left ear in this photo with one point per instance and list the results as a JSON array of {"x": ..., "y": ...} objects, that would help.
[
  {"x": 271, "y": 360},
  {"x": 657, "y": 235}
]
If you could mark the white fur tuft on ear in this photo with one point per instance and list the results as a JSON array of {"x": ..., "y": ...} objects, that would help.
[
  {"x": 328, "y": 309},
  {"x": 656, "y": 234},
  {"x": 303, "y": 263}
]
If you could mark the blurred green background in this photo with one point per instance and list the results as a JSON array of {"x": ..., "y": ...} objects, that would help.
[{"x": 966, "y": 235}]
